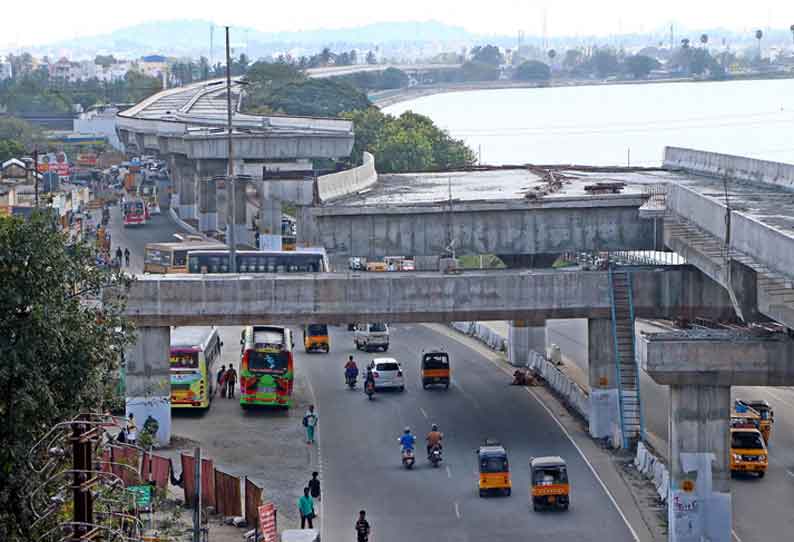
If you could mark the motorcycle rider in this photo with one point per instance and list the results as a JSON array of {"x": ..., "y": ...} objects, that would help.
[
  {"x": 433, "y": 439},
  {"x": 369, "y": 380},
  {"x": 407, "y": 440},
  {"x": 351, "y": 370}
]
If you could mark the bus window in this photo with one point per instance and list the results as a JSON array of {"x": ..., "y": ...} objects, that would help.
[
  {"x": 184, "y": 360},
  {"x": 180, "y": 257}
]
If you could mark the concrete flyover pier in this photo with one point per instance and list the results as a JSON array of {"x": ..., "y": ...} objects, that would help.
[{"x": 700, "y": 368}]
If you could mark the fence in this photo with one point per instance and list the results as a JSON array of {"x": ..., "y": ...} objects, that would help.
[
  {"x": 253, "y": 496},
  {"x": 652, "y": 468},
  {"x": 227, "y": 494},
  {"x": 572, "y": 394}
]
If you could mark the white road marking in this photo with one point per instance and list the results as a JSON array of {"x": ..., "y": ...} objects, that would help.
[
  {"x": 449, "y": 472},
  {"x": 319, "y": 457},
  {"x": 457, "y": 509},
  {"x": 735, "y": 536},
  {"x": 423, "y": 412},
  {"x": 467, "y": 395}
]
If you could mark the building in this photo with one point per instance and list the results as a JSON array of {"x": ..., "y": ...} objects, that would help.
[{"x": 101, "y": 121}]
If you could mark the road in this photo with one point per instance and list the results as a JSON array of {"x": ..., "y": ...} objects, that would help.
[
  {"x": 160, "y": 229},
  {"x": 762, "y": 508},
  {"x": 360, "y": 454}
]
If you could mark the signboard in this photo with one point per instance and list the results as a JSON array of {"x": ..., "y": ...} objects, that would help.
[
  {"x": 87, "y": 159},
  {"x": 143, "y": 495},
  {"x": 267, "y": 521}
]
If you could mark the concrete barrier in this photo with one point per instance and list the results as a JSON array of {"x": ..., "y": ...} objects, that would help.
[
  {"x": 344, "y": 183},
  {"x": 482, "y": 333},
  {"x": 185, "y": 226},
  {"x": 652, "y": 468},
  {"x": 573, "y": 395},
  {"x": 736, "y": 167}
]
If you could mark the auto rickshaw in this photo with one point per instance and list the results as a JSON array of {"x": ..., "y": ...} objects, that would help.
[
  {"x": 315, "y": 338},
  {"x": 765, "y": 413},
  {"x": 434, "y": 369},
  {"x": 494, "y": 469},
  {"x": 550, "y": 488}
]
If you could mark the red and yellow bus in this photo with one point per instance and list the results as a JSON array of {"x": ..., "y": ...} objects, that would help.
[
  {"x": 194, "y": 351},
  {"x": 266, "y": 366}
]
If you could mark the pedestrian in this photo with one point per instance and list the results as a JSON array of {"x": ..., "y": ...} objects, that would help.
[
  {"x": 127, "y": 257},
  {"x": 231, "y": 380},
  {"x": 314, "y": 486},
  {"x": 119, "y": 254},
  {"x": 362, "y": 527},
  {"x": 220, "y": 379},
  {"x": 132, "y": 429},
  {"x": 306, "y": 509},
  {"x": 310, "y": 422}
]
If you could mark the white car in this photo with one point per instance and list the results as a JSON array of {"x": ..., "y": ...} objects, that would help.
[{"x": 388, "y": 373}]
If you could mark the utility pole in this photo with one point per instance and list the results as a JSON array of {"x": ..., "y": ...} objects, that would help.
[
  {"x": 230, "y": 221},
  {"x": 36, "y": 173}
]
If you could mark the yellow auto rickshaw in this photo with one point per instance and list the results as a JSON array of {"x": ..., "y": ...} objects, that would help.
[
  {"x": 765, "y": 413},
  {"x": 550, "y": 487},
  {"x": 315, "y": 338},
  {"x": 434, "y": 369},
  {"x": 494, "y": 469}
]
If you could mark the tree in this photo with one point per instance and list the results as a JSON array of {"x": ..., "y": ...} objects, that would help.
[
  {"x": 639, "y": 66},
  {"x": 605, "y": 62},
  {"x": 551, "y": 54},
  {"x": 20, "y": 131},
  {"x": 488, "y": 54},
  {"x": 759, "y": 34},
  {"x": 104, "y": 60},
  {"x": 685, "y": 43},
  {"x": 10, "y": 149},
  {"x": 141, "y": 86},
  {"x": 479, "y": 71},
  {"x": 532, "y": 70},
  {"x": 393, "y": 78},
  {"x": 60, "y": 354},
  {"x": 313, "y": 97},
  {"x": 704, "y": 39},
  {"x": 353, "y": 56},
  {"x": 370, "y": 59},
  {"x": 325, "y": 56}
]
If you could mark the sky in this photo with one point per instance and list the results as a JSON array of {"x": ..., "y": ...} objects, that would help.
[{"x": 56, "y": 20}]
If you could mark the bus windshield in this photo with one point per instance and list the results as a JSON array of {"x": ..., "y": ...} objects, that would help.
[
  {"x": 268, "y": 362},
  {"x": 184, "y": 360}
]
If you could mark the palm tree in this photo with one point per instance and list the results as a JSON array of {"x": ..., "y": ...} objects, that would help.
[
  {"x": 704, "y": 39},
  {"x": 758, "y": 35},
  {"x": 552, "y": 53},
  {"x": 685, "y": 43}
]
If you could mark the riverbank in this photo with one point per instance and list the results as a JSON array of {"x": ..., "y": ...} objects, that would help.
[{"x": 386, "y": 98}]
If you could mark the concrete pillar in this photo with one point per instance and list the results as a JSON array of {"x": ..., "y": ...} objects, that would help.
[
  {"x": 207, "y": 200},
  {"x": 521, "y": 338},
  {"x": 236, "y": 211},
  {"x": 148, "y": 379},
  {"x": 269, "y": 219},
  {"x": 700, "y": 500},
  {"x": 188, "y": 192},
  {"x": 175, "y": 186},
  {"x": 603, "y": 380},
  {"x": 306, "y": 226}
]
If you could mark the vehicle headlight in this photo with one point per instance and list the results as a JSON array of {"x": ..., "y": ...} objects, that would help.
[
  {"x": 762, "y": 458},
  {"x": 737, "y": 457}
]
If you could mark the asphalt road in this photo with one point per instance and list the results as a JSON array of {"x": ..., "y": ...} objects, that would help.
[
  {"x": 159, "y": 229},
  {"x": 761, "y": 508},
  {"x": 360, "y": 455}
]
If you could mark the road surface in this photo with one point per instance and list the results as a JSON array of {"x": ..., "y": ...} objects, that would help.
[{"x": 761, "y": 508}]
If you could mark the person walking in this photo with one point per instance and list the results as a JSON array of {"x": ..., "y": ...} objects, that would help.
[
  {"x": 314, "y": 486},
  {"x": 132, "y": 430},
  {"x": 127, "y": 257},
  {"x": 119, "y": 255},
  {"x": 231, "y": 381},
  {"x": 306, "y": 509},
  {"x": 310, "y": 422},
  {"x": 220, "y": 380},
  {"x": 362, "y": 527}
]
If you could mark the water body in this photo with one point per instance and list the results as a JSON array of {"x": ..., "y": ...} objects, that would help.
[{"x": 603, "y": 125}]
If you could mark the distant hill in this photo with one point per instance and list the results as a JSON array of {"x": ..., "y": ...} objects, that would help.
[{"x": 192, "y": 38}]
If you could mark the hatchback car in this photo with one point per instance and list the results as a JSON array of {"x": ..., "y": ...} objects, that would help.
[{"x": 388, "y": 373}]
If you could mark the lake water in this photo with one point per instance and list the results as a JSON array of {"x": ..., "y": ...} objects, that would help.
[{"x": 603, "y": 125}]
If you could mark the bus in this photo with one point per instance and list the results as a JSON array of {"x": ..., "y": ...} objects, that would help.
[
  {"x": 266, "y": 366},
  {"x": 259, "y": 261},
  {"x": 288, "y": 233},
  {"x": 134, "y": 212},
  {"x": 194, "y": 352},
  {"x": 148, "y": 192},
  {"x": 164, "y": 258}
]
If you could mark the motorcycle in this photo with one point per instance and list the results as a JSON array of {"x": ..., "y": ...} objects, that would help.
[
  {"x": 408, "y": 458},
  {"x": 350, "y": 378},
  {"x": 369, "y": 389},
  {"x": 435, "y": 456}
]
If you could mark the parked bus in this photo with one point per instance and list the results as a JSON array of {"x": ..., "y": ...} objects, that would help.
[
  {"x": 258, "y": 261},
  {"x": 134, "y": 212},
  {"x": 172, "y": 257},
  {"x": 194, "y": 352},
  {"x": 266, "y": 366}
]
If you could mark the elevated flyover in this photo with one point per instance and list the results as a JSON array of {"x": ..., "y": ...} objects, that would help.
[
  {"x": 532, "y": 295},
  {"x": 521, "y": 210}
]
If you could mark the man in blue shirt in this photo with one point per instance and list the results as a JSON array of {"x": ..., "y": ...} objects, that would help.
[{"x": 407, "y": 440}]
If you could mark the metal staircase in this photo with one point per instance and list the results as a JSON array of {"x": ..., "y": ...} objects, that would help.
[{"x": 631, "y": 420}]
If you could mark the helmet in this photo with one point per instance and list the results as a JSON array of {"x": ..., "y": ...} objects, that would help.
[
  {"x": 434, "y": 427},
  {"x": 407, "y": 429}
]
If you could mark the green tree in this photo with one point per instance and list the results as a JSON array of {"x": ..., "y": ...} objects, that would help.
[
  {"x": 479, "y": 71},
  {"x": 20, "y": 131},
  {"x": 605, "y": 62},
  {"x": 488, "y": 54},
  {"x": 639, "y": 66},
  {"x": 370, "y": 58},
  {"x": 60, "y": 353},
  {"x": 532, "y": 70},
  {"x": 401, "y": 150},
  {"x": 140, "y": 86},
  {"x": 369, "y": 125},
  {"x": 314, "y": 97},
  {"x": 104, "y": 60},
  {"x": 393, "y": 78},
  {"x": 10, "y": 148}
]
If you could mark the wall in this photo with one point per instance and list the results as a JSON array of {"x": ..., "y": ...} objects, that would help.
[
  {"x": 735, "y": 167},
  {"x": 344, "y": 183}
]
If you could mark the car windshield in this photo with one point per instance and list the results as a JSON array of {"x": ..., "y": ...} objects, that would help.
[
  {"x": 493, "y": 464},
  {"x": 746, "y": 439},
  {"x": 436, "y": 361},
  {"x": 378, "y": 326},
  {"x": 387, "y": 366},
  {"x": 549, "y": 476}
]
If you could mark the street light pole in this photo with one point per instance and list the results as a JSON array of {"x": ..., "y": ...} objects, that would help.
[
  {"x": 36, "y": 173},
  {"x": 230, "y": 222}
]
